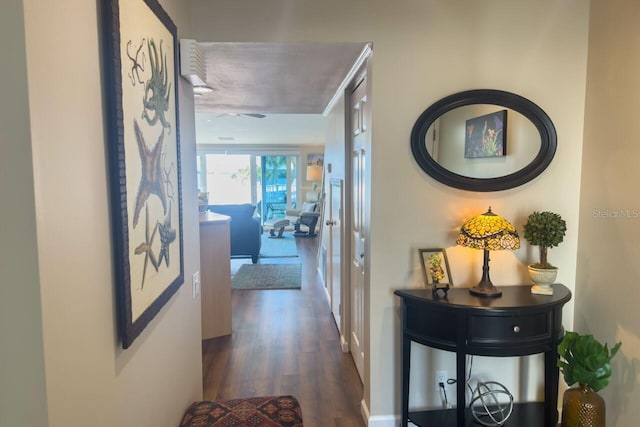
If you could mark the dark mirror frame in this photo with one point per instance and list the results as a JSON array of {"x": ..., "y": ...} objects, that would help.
[{"x": 542, "y": 122}]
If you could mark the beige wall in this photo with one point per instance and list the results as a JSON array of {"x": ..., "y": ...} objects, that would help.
[
  {"x": 608, "y": 273},
  {"x": 90, "y": 380},
  {"x": 23, "y": 399},
  {"x": 422, "y": 52}
]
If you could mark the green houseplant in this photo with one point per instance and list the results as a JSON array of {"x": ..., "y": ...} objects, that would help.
[
  {"x": 545, "y": 230},
  {"x": 585, "y": 361},
  {"x": 203, "y": 201}
]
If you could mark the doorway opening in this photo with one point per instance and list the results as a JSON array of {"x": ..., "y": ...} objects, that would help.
[{"x": 248, "y": 360}]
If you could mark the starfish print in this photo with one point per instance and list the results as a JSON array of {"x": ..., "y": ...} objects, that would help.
[
  {"x": 137, "y": 65},
  {"x": 167, "y": 177},
  {"x": 167, "y": 236},
  {"x": 145, "y": 247},
  {"x": 152, "y": 173}
]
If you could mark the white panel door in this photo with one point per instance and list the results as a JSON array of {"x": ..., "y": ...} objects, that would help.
[
  {"x": 336, "y": 229},
  {"x": 358, "y": 237}
]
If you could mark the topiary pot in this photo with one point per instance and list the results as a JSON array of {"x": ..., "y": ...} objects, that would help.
[{"x": 543, "y": 278}]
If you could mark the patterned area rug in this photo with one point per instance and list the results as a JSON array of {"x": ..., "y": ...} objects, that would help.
[
  {"x": 272, "y": 411},
  {"x": 281, "y": 247},
  {"x": 268, "y": 276}
]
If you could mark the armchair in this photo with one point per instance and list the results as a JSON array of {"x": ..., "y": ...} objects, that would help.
[{"x": 307, "y": 215}]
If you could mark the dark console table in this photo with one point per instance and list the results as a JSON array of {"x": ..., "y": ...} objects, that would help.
[{"x": 518, "y": 323}]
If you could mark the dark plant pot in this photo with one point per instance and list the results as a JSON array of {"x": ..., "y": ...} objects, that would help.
[{"x": 582, "y": 407}]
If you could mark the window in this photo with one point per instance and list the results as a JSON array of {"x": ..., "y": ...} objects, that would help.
[
  {"x": 228, "y": 178},
  {"x": 267, "y": 180}
]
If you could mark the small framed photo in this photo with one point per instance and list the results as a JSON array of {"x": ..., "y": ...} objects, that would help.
[{"x": 435, "y": 267}]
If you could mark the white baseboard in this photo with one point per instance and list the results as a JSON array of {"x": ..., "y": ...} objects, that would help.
[
  {"x": 378, "y": 420},
  {"x": 383, "y": 421},
  {"x": 386, "y": 421},
  {"x": 344, "y": 345},
  {"x": 364, "y": 411},
  {"x": 326, "y": 293}
]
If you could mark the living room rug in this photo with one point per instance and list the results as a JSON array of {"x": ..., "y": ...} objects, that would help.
[
  {"x": 272, "y": 411},
  {"x": 268, "y": 276},
  {"x": 282, "y": 247}
]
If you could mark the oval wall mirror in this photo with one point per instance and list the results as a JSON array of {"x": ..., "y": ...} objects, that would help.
[{"x": 483, "y": 140}]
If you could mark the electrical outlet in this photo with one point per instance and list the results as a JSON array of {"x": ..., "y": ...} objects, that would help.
[
  {"x": 196, "y": 284},
  {"x": 441, "y": 377}
]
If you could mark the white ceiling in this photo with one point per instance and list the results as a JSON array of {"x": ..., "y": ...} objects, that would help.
[
  {"x": 274, "y": 129},
  {"x": 291, "y": 83}
]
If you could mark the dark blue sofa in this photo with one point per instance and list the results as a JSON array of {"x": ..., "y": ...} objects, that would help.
[{"x": 246, "y": 230}]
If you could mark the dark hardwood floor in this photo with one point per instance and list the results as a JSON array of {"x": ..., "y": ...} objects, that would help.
[{"x": 286, "y": 342}]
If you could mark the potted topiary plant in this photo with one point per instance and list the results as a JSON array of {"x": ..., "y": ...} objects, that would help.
[
  {"x": 585, "y": 361},
  {"x": 203, "y": 201},
  {"x": 546, "y": 230}
]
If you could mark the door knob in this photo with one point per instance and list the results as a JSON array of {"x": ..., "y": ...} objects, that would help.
[
  {"x": 362, "y": 255},
  {"x": 330, "y": 223}
]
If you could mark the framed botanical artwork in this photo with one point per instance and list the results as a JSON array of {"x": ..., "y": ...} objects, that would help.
[
  {"x": 435, "y": 267},
  {"x": 315, "y": 159},
  {"x": 144, "y": 160},
  {"x": 486, "y": 136}
]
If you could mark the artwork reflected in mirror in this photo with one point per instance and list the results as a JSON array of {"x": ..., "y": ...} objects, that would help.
[
  {"x": 464, "y": 146},
  {"x": 485, "y": 136}
]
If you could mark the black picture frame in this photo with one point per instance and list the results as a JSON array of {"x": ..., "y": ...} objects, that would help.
[
  {"x": 143, "y": 146},
  {"x": 486, "y": 136}
]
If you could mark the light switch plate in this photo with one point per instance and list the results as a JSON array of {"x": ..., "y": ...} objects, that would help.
[{"x": 196, "y": 284}]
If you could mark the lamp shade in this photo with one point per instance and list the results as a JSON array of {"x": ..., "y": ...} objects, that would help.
[
  {"x": 314, "y": 173},
  {"x": 488, "y": 232}
]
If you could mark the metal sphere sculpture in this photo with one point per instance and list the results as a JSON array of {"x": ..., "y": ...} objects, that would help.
[{"x": 487, "y": 408}]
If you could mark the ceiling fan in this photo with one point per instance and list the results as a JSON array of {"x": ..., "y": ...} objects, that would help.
[{"x": 254, "y": 115}]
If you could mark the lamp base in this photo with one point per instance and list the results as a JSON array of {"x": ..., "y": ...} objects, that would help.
[{"x": 485, "y": 289}]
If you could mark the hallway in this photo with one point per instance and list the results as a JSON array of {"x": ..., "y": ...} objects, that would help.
[{"x": 286, "y": 342}]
